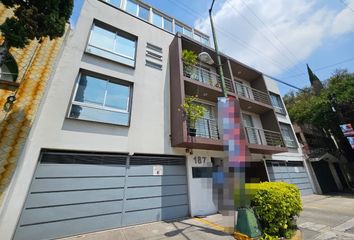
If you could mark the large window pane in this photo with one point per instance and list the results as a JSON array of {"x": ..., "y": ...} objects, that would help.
[
  {"x": 178, "y": 28},
  {"x": 157, "y": 20},
  {"x": 112, "y": 45},
  {"x": 144, "y": 13},
  {"x": 125, "y": 47},
  {"x": 167, "y": 24},
  {"x": 91, "y": 90},
  {"x": 131, "y": 7},
  {"x": 115, "y": 3},
  {"x": 198, "y": 37},
  {"x": 205, "y": 41},
  {"x": 117, "y": 96},
  {"x": 288, "y": 135},
  {"x": 188, "y": 32},
  {"x": 102, "y": 101},
  {"x": 102, "y": 38}
]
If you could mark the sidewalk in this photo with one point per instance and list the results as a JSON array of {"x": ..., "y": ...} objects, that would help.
[{"x": 187, "y": 229}]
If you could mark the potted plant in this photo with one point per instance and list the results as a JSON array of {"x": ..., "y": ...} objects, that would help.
[
  {"x": 193, "y": 112},
  {"x": 189, "y": 59}
]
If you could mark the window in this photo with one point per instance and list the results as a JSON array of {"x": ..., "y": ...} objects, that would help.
[
  {"x": 115, "y": 3},
  {"x": 112, "y": 45},
  {"x": 144, "y": 13},
  {"x": 167, "y": 24},
  {"x": 197, "y": 37},
  {"x": 178, "y": 28},
  {"x": 101, "y": 100},
  {"x": 187, "y": 32},
  {"x": 288, "y": 135},
  {"x": 157, "y": 19},
  {"x": 9, "y": 70},
  {"x": 131, "y": 7},
  {"x": 251, "y": 131},
  {"x": 207, "y": 126},
  {"x": 277, "y": 103},
  {"x": 201, "y": 172},
  {"x": 205, "y": 40}
]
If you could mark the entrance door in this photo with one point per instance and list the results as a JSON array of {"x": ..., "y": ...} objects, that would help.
[{"x": 250, "y": 130}]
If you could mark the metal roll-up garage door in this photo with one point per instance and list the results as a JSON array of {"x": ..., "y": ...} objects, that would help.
[
  {"x": 79, "y": 193},
  {"x": 290, "y": 172}
]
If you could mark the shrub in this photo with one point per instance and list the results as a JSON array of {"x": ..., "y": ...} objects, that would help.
[{"x": 276, "y": 205}]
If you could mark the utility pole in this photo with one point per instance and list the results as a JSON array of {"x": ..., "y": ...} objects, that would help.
[
  {"x": 221, "y": 72},
  {"x": 246, "y": 219}
]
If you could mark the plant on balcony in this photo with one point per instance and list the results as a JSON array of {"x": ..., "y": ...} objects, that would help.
[
  {"x": 190, "y": 59},
  {"x": 193, "y": 112}
]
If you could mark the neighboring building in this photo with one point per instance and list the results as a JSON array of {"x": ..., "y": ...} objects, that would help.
[
  {"x": 109, "y": 147},
  {"x": 329, "y": 168},
  {"x": 23, "y": 76}
]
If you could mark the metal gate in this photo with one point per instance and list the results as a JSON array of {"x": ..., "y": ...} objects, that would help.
[
  {"x": 290, "y": 172},
  {"x": 79, "y": 193}
]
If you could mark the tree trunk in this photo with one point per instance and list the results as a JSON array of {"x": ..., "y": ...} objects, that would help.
[{"x": 4, "y": 50}]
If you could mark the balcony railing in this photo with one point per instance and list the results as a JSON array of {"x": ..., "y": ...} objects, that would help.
[
  {"x": 205, "y": 76},
  {"x": 263, "y": 137},
  {"x": 206, "y": 128},
  {"x": 252, "y": 93}
]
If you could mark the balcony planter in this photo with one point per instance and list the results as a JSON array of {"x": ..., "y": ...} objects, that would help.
[
  {"x": 192, "y": 113},
  {"x": 192, "y": 132},
  {"x": 189, "y": 59}
]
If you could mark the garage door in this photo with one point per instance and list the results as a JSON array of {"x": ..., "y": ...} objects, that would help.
[
  {"x": 79, "y": 193},
  {"x": 290, "y": 172}
]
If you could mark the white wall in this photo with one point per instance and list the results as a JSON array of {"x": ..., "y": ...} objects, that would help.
[{"x": 149, "y": 131}]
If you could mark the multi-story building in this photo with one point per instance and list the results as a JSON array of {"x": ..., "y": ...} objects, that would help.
[{"x": 110, "y": 148}]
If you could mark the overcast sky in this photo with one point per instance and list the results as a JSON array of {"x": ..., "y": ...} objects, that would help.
[{"x": 277, "y": 37}]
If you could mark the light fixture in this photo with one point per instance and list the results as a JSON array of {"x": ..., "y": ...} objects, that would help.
[
  {"x": 205, "y": 58},
  {"x": 9, "y": 102}
]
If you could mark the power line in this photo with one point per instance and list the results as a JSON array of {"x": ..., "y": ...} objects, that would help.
[
  {"x": 271, "y": 31},
  {"x": 195, "y": 13},
  {"x": 324, "y": 67},
  {"x": 266, "y": 37},
  {"x": 281, "y": 81},
  {"x": 347, "y": 5},
  {"x": 231, "y": 36}
]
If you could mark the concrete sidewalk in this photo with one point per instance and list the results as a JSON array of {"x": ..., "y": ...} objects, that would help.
[
  {"x": 187, "y": 229},
  {"x": 327, "y": 217}
]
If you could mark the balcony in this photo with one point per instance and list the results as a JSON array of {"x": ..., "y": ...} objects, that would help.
[
  {"x": 206, "y": 77},
  {"x": 207, "y": 128},
  {"x": 264, "y": 141},
  {"x": 251, "y": 93}
]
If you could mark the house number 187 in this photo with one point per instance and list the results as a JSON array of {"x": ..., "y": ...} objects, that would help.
[{"x": 199, "y": 159}]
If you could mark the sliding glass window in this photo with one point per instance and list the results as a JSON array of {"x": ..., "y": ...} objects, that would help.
[{"x": 112, "y": 45}]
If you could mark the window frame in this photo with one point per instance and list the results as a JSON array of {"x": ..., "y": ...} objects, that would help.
[
  {"x": 279, "y": 100},
  {"x": 291, "y": 132},
  {"x": 117, "y": 32},
  {"x": 96, "y": 106}
]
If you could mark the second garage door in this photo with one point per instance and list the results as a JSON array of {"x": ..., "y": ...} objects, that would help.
[
  {"x": 78, "y": 193},
  {"x": 290, "y": 172}
]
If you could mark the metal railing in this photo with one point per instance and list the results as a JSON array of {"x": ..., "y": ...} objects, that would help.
[
  {"x": 207, "y": 128},
  {"x": 263, "y": 137},
  {"x": 279, "y": 110},
  {"x": 252, "y": 93},
  {"x": 205, "y": 76}
]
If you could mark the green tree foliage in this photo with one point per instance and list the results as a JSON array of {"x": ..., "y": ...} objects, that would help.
[
  {"x": 304, "y": 107},
  {"x": 33, "y": 19}
]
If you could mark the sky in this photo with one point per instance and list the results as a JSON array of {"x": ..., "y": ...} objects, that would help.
[{"x": 277, "y": 37}]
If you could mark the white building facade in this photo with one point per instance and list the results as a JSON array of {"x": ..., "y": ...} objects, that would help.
[{"x": 108, "y": 147}]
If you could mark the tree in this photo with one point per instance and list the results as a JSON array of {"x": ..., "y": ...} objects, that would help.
[
  {"x": 305, "y": 107},
  {"x": 33, "y": 19}
]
